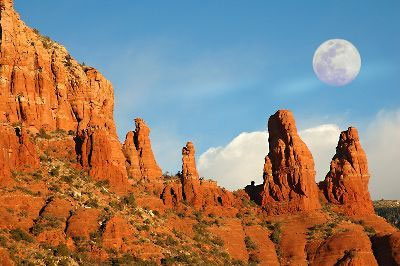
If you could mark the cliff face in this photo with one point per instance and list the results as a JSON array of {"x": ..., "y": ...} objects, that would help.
[
  {"x": 43, "y": 87},
  {"x": 289, "y": 175},
  {"x": 346, "y": 184},
  {"x": 17, "y": 152}
]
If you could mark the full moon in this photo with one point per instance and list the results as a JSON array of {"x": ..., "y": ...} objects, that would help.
[{"x": 337, "y": 62}]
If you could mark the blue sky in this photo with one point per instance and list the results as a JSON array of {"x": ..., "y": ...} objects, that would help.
[{"x": 208, "y": 70}]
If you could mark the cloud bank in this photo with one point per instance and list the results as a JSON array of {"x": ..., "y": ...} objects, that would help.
[{"x": 241, "y": 160}]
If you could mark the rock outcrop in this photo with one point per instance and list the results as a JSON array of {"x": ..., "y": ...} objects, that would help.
[
  {"x": 172, "y": 194},
  {"x": 42, "y": 86},
  {"x": 201, "y": 194},
  {"x": 17, "y": 152},
  {"x": 352, "y": 247},
  {"x": 148, "y": 166},
  {"x": 190, "y": 177},
  {"x": 346, "y": 184},
  {"x": 289, "y": 175},
  {"x": 101, "y": 153},
  {"x": 132, "y": 156}
]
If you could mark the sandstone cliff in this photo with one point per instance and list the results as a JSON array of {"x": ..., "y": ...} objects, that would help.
[
  {"x": 346, "y": 184},
  {"x": 289, "y": 175},
  {"x": 43, "y": 87}
]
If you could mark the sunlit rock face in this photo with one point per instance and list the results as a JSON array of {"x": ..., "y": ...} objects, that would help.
[
  {"x": 346, "y": 184},
  {"x": 289, "y": 175}
]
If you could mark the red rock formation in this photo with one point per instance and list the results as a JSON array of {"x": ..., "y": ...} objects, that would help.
[
  {"x": 42, "y": 86},
  {"x": 264, "y": 249},
  {"x": 132, "y": 156},
  {"x": 115, "y": 232},
  {"x": 213, "y": 195},
  {"x": 201, "y": 194},
  {"x": 59, "y": 208},
  {"x": 190, "y": 178},
  {"x": 15, "y": 203},
  {"x": 289, "y": 175},
  {"x": 148, "y": 165},
  {"x": 83, "y": 222},
  {"x": 101, "y": 153},
  {"x": 172, "y": 194},
  {"x": 17, "y": 152},
  {"x": 347, "y": 248},
  {"x": 346, "y": 184}
]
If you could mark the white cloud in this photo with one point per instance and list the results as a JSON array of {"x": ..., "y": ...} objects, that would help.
[
  {"x": 238, "y": 163},
  {"x": 382, "y": 145},
  {"x": 241, "y": 160},
  {"x": 321, "y": 141}
]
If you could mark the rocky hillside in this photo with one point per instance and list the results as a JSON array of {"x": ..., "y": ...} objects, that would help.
[{"x": 72, "y": 194}]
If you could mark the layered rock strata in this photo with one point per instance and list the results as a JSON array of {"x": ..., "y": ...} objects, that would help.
[
  {"x": 289, "y": 175},
  {"x": 346, "y": 184}
]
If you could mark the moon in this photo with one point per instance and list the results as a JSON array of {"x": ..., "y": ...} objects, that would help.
[{"x": 337, "y": 62}]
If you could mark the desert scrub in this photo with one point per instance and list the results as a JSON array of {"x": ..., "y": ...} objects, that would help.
[
  {"x": 250, "y": 245},
  {"x": 45, "y": 222},
  {"x": 37, "y": 175},
  {"x": 128, "y": 201},
  {"x": 20, "y": 235},
  {"x": 92, "y": 203},
  {"x": 254, "y": 259},
  {"x": 55, "y": 171},
  {"x": 276, "y": 231},
  {"x": 61, "y": 251},
  {"x": 43, "y": 134},
  {"x": 27, "y": 191}
]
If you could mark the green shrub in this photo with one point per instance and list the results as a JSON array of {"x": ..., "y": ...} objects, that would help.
[
  {"x": 92, "y": 203},
  {"x": 254, "y": 259},
  {"x": 62, "y": 251},
  {"x": 129, "y": 200},
  {"x": 55, "y": 171},
  {"x": 71, "y": 132},
  {"x": 170, "y": 241},
  {"x": 43, "y": 134},
  {"x": 37, "y": 175},
  {"x": 276, "y": 233},
  {"x": 250, "y": 245},
  {"x": 369, "y": 230},
  {"x": 67, "y": 179},
  {"x": 3, "y": 241},
  {"x": 103, "y": 183},
  {"x": 20, "y": 235}
]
